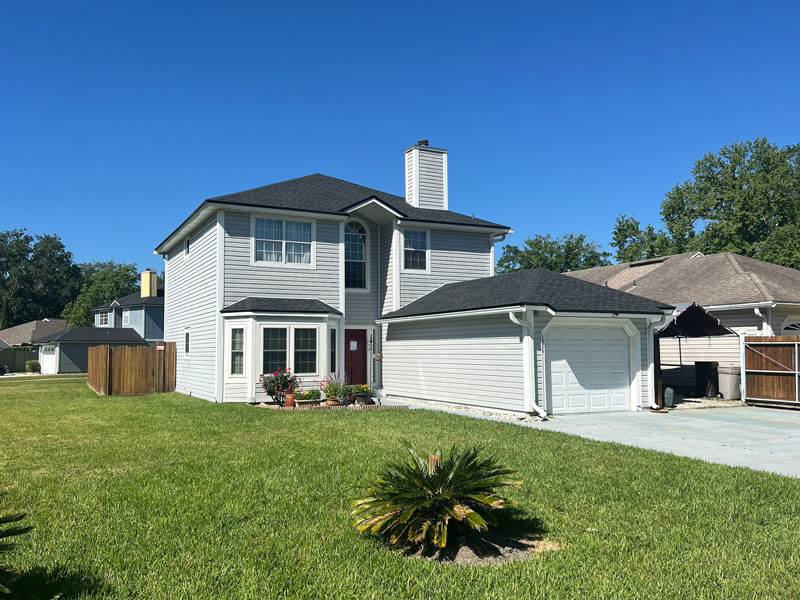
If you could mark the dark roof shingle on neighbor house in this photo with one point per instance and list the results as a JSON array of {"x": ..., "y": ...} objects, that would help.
[
  {"x": 537, "y": 287},
  {"x": 710, "y": 280},
  {"x": 25, "y": 333},
  {"x": 280, "y": 305},
  {"x": 135, "y": 299},
  {"x": 94, "y": 335}
]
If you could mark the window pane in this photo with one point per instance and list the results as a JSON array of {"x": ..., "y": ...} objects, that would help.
[
  {"x": 237, "y": 339},
  {"x": 333, "y": 350},
  {"x": 305, "y": 350},
  {"x": 355, "y": 274},
  {"x": 237, "y": 363},
  {"x": 186, "y": 343},
  {"x": 269, "y": 229},
  {"x": 298, "y": 253},
  {"x": 416, "y": 240},
  {"x": 415, "y": 259},
  {"x": 274, "y": 350},
  {"x": 298, "y": 232},
  {"x": 269, "y": 251}
]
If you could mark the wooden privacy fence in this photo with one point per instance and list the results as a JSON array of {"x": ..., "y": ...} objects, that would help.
[
  {"x": 132, "y": 370},
  {"x": 14, "y": 358},
  {"x": 772, "y": 370}
]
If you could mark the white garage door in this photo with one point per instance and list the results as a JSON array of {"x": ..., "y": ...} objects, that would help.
[{"x": 587, "y": 369}]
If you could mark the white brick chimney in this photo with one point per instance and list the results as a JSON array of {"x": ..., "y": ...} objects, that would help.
[{"x": 426, "y": 176}]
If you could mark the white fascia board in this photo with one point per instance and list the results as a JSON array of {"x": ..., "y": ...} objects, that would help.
[
  {"x": 611, "y": 315},
  {"x": 231, "y": 315},
  {"x": 463, "y": 313},
  {"x": 405, "y": 222},
  {"x": 742, "y": 306},
  {"x": 377, "y": 202}
]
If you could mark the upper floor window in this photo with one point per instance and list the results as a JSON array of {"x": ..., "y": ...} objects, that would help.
[
  {"x": 415, "y": 250},
  {"x": 355, "y": 255},
  {"x": 286, "y": 242},
  {"x": 791, "y": 325},
  {"x": 103, "y": 318},
  {"x": 126, "y": 317}
]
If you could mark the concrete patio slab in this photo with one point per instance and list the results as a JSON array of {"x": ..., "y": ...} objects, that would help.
[{"x": 758, "y": 438}]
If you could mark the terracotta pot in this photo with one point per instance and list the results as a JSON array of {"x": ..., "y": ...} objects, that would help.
[
  {"x": 289, "y": 400},
  {"x": 332, "y": 402}
]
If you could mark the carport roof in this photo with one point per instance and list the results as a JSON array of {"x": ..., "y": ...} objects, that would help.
[{"x": 536, "y": 287}]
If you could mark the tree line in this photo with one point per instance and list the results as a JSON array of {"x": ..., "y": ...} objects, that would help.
[
  {"x": 39, "y": 279},
  {"x": 744, "y": 199}
]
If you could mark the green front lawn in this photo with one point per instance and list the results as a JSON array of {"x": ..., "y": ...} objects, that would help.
[{"x": 173, "y": 497}]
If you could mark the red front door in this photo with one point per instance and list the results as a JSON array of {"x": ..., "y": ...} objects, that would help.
[{"x": 355, "y": 355}]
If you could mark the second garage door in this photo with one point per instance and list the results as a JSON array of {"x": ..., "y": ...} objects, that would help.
[{"x": 588, "y": 369}]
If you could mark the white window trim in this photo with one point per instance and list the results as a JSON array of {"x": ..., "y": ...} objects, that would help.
[
  {"x": 107, "y": 314},
  {"x": 290, "y": 328},
  {"x": 187, "y": 330},
  {"x": 427, "y": 269},
  {"x": 367, "y": 262},
  {"x": 126, "y": 317},
  {"x": 262, "y": 264},
  {"x": 229, "y": 327},
  {"x": 788, "y": 321}
]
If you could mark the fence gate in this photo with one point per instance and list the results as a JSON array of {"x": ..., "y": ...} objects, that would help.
[
  {"x": 772, "y": 369},
  {"x": 132, "y": 370}
]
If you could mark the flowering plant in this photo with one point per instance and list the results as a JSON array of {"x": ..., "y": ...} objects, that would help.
[
  {"x": 361, "y": 388},
  {"x": 279, "y": 383},
  {"x": 333, "y": 387}
]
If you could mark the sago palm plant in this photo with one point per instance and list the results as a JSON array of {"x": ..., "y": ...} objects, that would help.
[
  {"x": 413, "y": 501},
  {"x": 6, "y": 545}
]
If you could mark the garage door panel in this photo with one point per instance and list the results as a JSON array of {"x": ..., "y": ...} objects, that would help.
[{"x": 587, "y": 369}]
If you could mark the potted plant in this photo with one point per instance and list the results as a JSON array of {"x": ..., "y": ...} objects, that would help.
[
  {"x": 278, "y": 384},
  {"x": 306, "y": 397},
  {"x": 334, "y": 388},
  {"x": 362, "y": 393}
]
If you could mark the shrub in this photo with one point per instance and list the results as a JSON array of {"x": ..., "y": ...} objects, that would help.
[
  {"x": 278, "y": 384},
  {"x": 33, "y": 366},
  {"x": 334, "y": 387},
  {"x": 413, "y": 501},
  {"x": 306, "y": 395},
  {"x": 6, "y": 533}
]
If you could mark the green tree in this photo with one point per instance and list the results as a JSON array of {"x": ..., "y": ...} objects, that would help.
[
  {"x": 102, "y": 282},
  {"x": 569, "y": 252},
  {"x": 38, "y": 276},
  {"x": 744, "y": 198}
]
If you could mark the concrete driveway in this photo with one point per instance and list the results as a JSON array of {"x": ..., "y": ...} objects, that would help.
[{"x": 759, "y": 438}]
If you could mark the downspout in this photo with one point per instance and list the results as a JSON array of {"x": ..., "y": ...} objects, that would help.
[
  {"x": 652, "y": 327},
  {"x": 763, "y": 318},
  {"x": 527, "y": 324}
]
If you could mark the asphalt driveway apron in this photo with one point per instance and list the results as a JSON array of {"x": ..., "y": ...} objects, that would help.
[{"x": 759, "y": 438}]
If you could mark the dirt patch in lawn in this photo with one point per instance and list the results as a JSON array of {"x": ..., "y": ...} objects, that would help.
[{"x": 489, "y": 549}]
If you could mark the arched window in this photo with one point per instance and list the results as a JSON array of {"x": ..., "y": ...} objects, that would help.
[{"x": 355, "y": 255}]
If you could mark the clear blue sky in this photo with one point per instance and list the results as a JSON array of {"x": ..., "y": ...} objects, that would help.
[{"x": 118, "y": 119}]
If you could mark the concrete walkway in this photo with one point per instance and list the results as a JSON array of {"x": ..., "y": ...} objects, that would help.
[{"x": 765, "y": 439}]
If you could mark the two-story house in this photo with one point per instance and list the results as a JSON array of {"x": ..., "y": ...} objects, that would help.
[
  {"x": 322, "y": 275},
  {"x": 142, "y": 311}
]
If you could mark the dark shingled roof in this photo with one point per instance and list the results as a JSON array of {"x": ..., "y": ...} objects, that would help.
[
  {"x": 709, "y": 280},
  {"x": 287, "y": 305},
  {"x": 135, "y": 299},
  {"x": 537, "y": 287},
  {"x": 95, "y": 335},
  {"x": 325, "y": 194}
]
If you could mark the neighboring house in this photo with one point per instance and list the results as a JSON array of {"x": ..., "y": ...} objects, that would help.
[
  {"x": 314, "y": 274},
  {"x": 750, "y": 296},
  {"x": 25, "y": 333},
  {"x": 67, "y": 351},
  {"x": 142, "y": 311}
]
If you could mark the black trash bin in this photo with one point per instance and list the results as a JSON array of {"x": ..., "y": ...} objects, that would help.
[{"x": 706, "y": 378}]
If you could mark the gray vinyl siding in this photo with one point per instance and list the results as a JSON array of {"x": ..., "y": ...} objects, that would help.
[
  {"x": 431, "y": 180},
  {"x": 190, "y": 300},
  {"x": 454, "y": 256},
  {"x": 136, "y": 320},
  {"x": 153, "y": 323},
  {"x": 448, "y": 361},
  {"x": 410, "y": 178},
  {"x": 74, "y": 358},
  {"x": 362, "y": 306},
  {"x": 386, "y": 268},
  {"x": 243, "y": 279}
]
